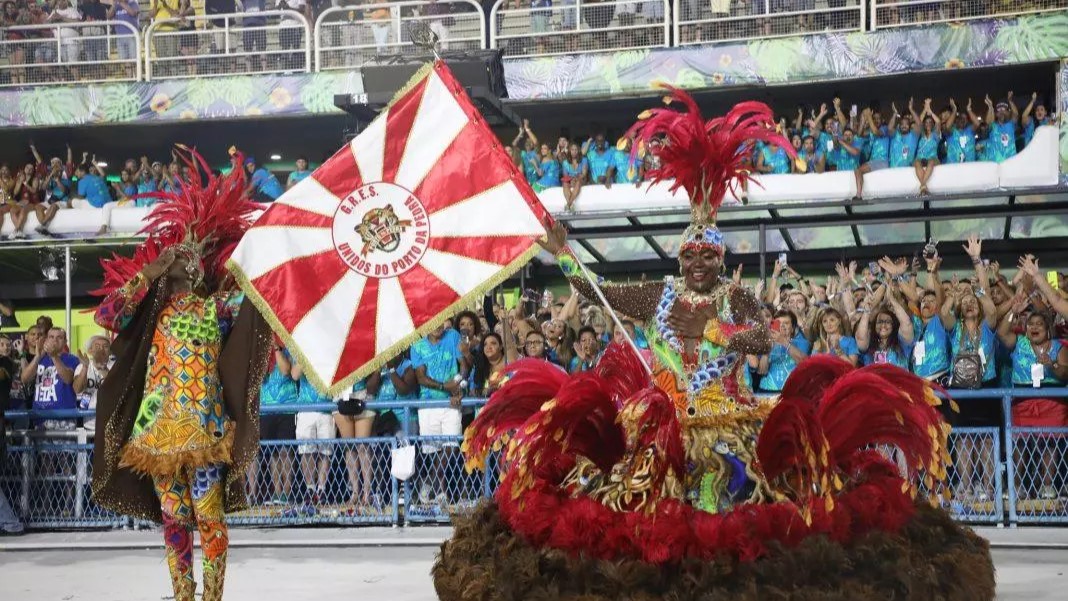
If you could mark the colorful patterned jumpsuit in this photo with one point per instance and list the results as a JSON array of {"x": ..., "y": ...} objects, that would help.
[{"x": 182, "y": 438}]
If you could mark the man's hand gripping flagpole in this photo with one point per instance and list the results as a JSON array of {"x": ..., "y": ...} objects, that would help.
[{"x": 555, "y": 242}]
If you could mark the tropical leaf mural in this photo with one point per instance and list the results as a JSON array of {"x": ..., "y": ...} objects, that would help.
[
  {"x": 119, "y": 103},
  {"x": 52, "y": 106},
  {"x": 317, "y": 95},
  {"x": 1035, "y": 37},
  {"x": 201, "y": 92},
  {"x": 238, "y": 91},
  {"x": 777, "y": 59}
]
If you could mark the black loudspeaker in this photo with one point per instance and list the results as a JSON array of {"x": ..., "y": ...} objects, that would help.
[{"x": 473, "y": 69}]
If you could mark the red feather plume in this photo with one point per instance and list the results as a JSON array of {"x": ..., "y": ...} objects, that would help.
[
  {"x": 705, "y": 158},
  {"x": 213, "y": 212}
]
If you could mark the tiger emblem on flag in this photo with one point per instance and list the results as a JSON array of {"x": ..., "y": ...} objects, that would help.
[{"x": 381, "y": 229}]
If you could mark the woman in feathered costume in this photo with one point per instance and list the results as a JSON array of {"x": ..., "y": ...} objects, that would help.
[
  {"x": 679, "y": 484},
  {"x": 178, "y": 414}
]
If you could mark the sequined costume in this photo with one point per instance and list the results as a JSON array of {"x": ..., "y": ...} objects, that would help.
[
  {"x": 719, "y": 414},
  {"x": 177, "y": 415},
  {"x": 679, "y": 484}
]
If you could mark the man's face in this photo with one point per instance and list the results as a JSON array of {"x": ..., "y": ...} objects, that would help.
[
  {"x": 5, "y": 347},
  {"x": 809, "y": 145},
  {"x": 437, "y": 332},
  {"x": 797, "y": 303},
  {"x": 56, "y": 340},
  {"x": 848, "y": 136},
  {"x": 302, "y": 165},
  {"x": 600, "y": 142},
  {"x": 1001, "y": 114},
  {"x": 904, "y": 125},
  {"x": 1040, "y": 112},
  {"x": 131, "y": 165},
  {"x": 44, "y": 323},
  {"x": 100, "y": 349},
  {"x": 961, "y": 121},
  {"x": 157, "y": 169},
  {"x": 700, "y": 268}
]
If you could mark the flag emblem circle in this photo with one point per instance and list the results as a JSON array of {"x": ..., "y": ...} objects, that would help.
[{"x": 381, "y": 230}]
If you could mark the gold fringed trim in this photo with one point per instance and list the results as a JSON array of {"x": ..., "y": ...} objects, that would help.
[
  {"x": 421, "y": 73},
  {"x": 382, "y": 358},
  {"x": 758, "y": 413},
  {"x": 151, "y": 462}
]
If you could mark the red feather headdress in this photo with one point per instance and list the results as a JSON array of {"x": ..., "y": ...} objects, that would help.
[
  {"x": 206, "y": 218},
  {"x": 704, "y": 158}
]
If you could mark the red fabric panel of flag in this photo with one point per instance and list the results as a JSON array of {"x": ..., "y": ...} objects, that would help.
[{"x": 415, "y": 218}]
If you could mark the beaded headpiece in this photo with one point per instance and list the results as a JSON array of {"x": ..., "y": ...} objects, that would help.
[
  {"x": 202, "y": 221},
  {"x": 704, "y": 158}
]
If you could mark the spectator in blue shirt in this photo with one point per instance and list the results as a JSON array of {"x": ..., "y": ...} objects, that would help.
[
  {"x": 878, "y": 146},
  {"x": 1035, "y": 115},
  {"x": 810, "y": 159},
  {"x": 831, "y": 337},
  {"x": 847, "y": 152},
  {"x": 92, "y": 187},
  {"x": 528, "y": 157},
  {"x": 903, "y": 142},
  {"x": 927, "y": 146},
  {"x": 1002, "y": 119},
  {"x": 960, "y": 140},
  {"x": 574, "y": 173},
  {"x": 628, "y": 167},
  {"x": 773, "y": 159},
  {"x": 300, "y": 174},
  {"x": 263, "y": 186},
  {"x": 884, "y": 335},
  {"x": 601, "y": 159},
  {"x": 437, "y": 363},
  {"x": 548, "y": 170},
  {"x": 789, "y": 347},
  {"x": 125, "y": 188}
]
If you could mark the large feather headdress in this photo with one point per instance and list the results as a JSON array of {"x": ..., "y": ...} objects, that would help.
[
  {"x": 704, "y": 158},
  {"x": 204, "y": 220}
]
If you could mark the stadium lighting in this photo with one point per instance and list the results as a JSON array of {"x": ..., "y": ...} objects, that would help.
[
  {"x": 276, "y": 157},
  {"x": 101, "y": 164}
]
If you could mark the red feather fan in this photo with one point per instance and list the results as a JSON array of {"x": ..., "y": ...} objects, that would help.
[{"x": 212, "y": 212}]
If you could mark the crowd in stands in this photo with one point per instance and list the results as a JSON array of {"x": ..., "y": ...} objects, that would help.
[
  {"x": 46, "y": 187},
  {"x": 993, "y": 328},
  {"x": 860, "y": 141}
]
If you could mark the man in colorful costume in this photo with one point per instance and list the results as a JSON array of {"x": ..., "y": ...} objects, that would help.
[
  {"x": 178, "y": 414},
  {"x": 680, "y": 484}
]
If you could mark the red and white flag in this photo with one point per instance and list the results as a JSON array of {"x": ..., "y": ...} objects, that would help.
[{"x": 421, "y": 214}]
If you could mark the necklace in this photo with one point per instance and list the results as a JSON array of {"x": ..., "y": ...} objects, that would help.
[{"x": 702, "y": 299}]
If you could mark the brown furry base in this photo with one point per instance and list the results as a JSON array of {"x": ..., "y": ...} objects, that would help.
[
  {"x": 932, "y": 559},
  {"x": 150, "y": 462}
]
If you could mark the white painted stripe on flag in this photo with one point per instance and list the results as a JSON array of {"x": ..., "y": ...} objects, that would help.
[
  {"x": 498, "y": 211},
  {"x": 259, "y": 251},
  {"x": 436, "y": 125},
  {"x": 462, "y": 274},
  {"x": 369, "y": 148},
  {"x": 394, "y": 321},
  {"x": 322, "y": 334},
  {"x": 310, "y": 195}
]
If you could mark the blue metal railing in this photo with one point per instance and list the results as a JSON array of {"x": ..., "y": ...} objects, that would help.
[{"x": 1012, "y": 487}]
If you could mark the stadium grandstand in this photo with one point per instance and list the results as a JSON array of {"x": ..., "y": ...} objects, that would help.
[{"x": 932, "y": 155}]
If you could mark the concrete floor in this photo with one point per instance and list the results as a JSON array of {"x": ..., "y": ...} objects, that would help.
[{"x": 317, "y": 574}]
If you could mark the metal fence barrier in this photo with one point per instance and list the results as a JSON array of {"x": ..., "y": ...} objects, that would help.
[
  {"x": 70, "y": 53},
  {"x": 270, "y": 41},
  {"x": 901, "y": 13},
  {"x": 349, "y": 36},
  {"x": 579, "y": 26},
  {"x": 718, "y": 21},
  {"x": 1021, "y": 478}
]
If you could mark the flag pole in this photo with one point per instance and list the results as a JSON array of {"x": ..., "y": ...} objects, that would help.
[{"x": 615, "y": 317}]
